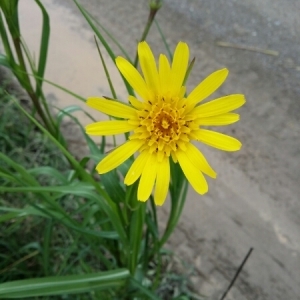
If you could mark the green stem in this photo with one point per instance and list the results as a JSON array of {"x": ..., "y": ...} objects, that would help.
[
  {"x": 176, "y": 211},
  {"x": 136, "y": 224},
  {"x": 178, "y": 200},
  {"x": 27, "y": 85},
  {"x": 5, "y": 42},
  {"x": 151, "y": 17}
]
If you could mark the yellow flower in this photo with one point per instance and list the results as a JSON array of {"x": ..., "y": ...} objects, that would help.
[{"x": 165, "y": 122}]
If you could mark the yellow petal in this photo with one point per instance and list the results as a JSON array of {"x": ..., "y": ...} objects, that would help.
[
  {"x": 109, "y": 127},
  {"x": 218, "y": 140},
  {"x": 207, "y": 87},
  {"x": 193, "y": 175},
  {"x": 133, "y": 77},
  {"x": 134, "y": 121},
  {"x": 118, "y": 156},
  {"x": 162, "y": 182},
  {"x": 174, "y": 157},
  {"x": 147, "y": 179},
  {"x": 111, "y": 107},
  {"x": 164, "y": 74},
  {"x": 179, "y": 65},
  {"x": 199, "y": 161},
  {"x": 135, "y": 102},
  {"x": 148, "y": 66},
  {"x": 136, "y": 168},
  {"x": 220, "y": 120},
  {"x": 219, "y": 106},
  {"x": 182, "y": 93}
]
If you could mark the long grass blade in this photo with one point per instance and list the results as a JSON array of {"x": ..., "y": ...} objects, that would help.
[
  {"x": 144, "y": 290},
  {"x": 59, "y": 285},
  {"x": 108, "y": 205},
  {"x": 103, "y": 41},
  {"x": 5, "y": 42},
  {"x": 91, "y": 144},
  {"x": 111, "y": 86},
  {"x": 30, "y": 181},
  {"x": 67, "y": 91},
  {"x": 136, "y": 235},
  {"x": 164, "y": 40},
  {"x": 110, "y": 36},
  {"x": 47, "y": 247},
  {"x": 44, "y": 45}
]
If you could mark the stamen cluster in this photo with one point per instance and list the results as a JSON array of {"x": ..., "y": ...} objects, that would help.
[{"x": 163, "y": 126}]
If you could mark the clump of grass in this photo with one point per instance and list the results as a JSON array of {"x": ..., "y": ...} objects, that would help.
[
  {"x": 34, "y": 246},
  {"x": 21, "y": 237},
  {"x": 22, "y": 141}
]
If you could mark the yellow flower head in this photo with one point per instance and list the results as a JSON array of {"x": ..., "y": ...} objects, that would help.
[{"x": 165, "y": 122}]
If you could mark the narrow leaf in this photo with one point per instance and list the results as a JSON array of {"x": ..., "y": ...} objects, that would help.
[{"x": 58, "y": 285}]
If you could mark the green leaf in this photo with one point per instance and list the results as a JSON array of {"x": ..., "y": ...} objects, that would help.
[
  {"x": 178, "y": 191},
  {"x": 188, "y": 71},
  {"x": 143, "y": 289},
  {"x": 131, "y": 196},
  {"x": 136, "y": 235},
  {"x": 103, "y": 41},
  {"x": 10, "y": 11},
  {"x": 59, "y": 285},
  {"x": 4, "y": 61},
  {"x": 43, "y": 47},
  {"x": 114, "y": 40},
  {"x": 23, "y": 177},
  {"x": 8, "y": 216},
  {"x": 111, "y": 86},
  {"x": 67, "y": 111},
  {"x": 111, "y": 183},
  {"x": 79, "y": 188},
  {"x": 49, "y": 171},
  {"x": 45, "y": 212},
  {"x": 94, "y": 150},
  {"x": 152, "y": 226},
  {"x": 59, "y": 87},
  {"x": 5, "y": 41},
  {"x": 101, "y": 198},
  {"x": 47, "y": 246},
  {"x": 164, "y": 40}
]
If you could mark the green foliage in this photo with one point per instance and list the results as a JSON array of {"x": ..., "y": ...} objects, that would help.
[
  {"x": 64, "y": 231},
  {"x": 61, "y": 285}
]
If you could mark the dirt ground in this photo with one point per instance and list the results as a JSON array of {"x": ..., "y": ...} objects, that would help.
[{"x": 254, "y": 202}]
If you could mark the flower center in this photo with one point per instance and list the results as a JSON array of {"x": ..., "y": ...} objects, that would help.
[
  {"x": 163, "y": 126},
  {"x": 162, "y": 123},
  {"x": 165, "y": 123}
]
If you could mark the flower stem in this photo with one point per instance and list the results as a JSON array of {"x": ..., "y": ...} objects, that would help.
[
  {"x": 151, "y": 17},
  {"x": 25, "y": 81}
]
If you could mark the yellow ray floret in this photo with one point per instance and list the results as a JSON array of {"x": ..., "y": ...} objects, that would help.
[
  {"x": 109, "y": 128},
  {"x": 164, "y": 122}
]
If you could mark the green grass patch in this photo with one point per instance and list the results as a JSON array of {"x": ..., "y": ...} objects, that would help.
[{"x": 35, "y": 245}]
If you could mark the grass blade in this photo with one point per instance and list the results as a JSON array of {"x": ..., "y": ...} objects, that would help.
[
  {"x": 113, "y": 92},
  {"x": 164, "y": 40},
  {"x": 136, "y": 235},
  {"x": 43, "y": 47},
  {"x": 144, "y": 290},
  {"x": 103, "y": 41},
  {"x": 5, "y": 42},
  {"x": 59, "y": 285},
  {"x": 111, "y": 37}
]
